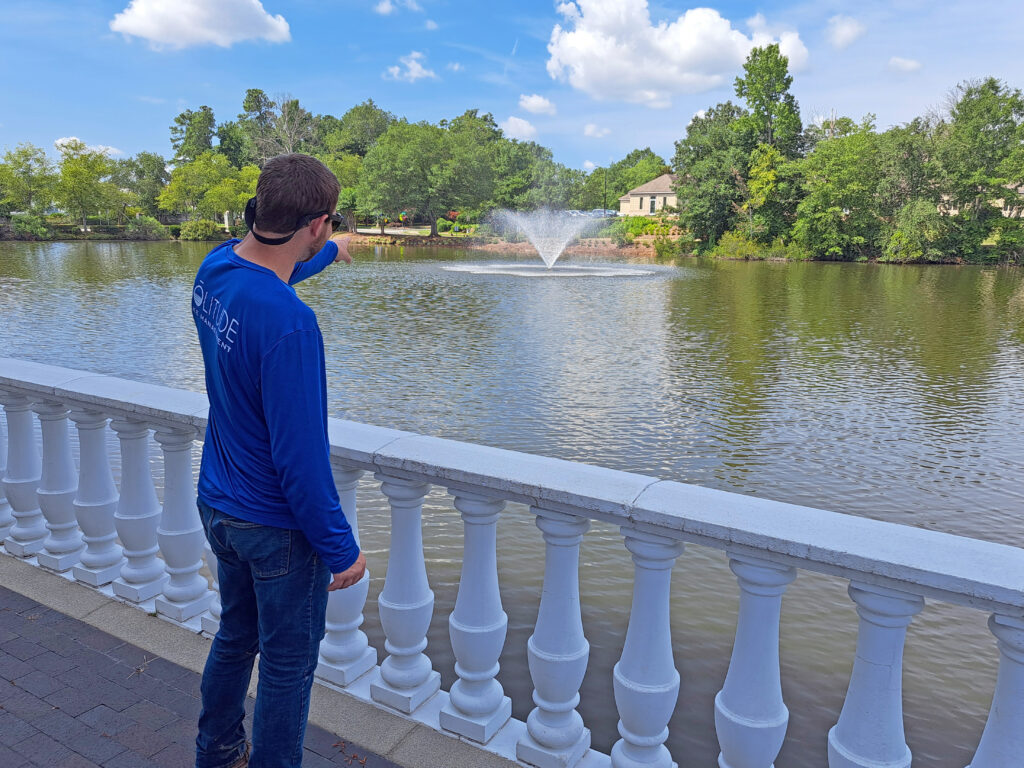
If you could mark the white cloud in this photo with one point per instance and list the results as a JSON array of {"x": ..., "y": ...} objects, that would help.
[
  {"x": 595, "y": 132},
  {"x": 431, "y": 25},
  {"x": 414, "y": 69},
  {"x": 536, "y": 104},
  {"x": 899, "y": 64},
  {"x": 517, "y": 128},
  {"x": 589, "y": 165},
  {"x": 843, "y": 30},
  {"x": 387, "y": 7},
  {"x": 108, "y": 151},
  {"x": 176, "y": 24},
  {"x": 613, "y": 50},
  {"x": 454, "y": 66}
]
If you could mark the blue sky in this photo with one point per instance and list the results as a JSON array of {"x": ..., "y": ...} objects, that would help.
[{"x": 591, "y": 79}]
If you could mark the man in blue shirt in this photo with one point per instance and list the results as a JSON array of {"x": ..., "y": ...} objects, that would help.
[{"x": 266, "y": 495}]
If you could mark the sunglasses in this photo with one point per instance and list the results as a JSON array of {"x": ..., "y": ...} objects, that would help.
[{"x": 335, "y": 220}]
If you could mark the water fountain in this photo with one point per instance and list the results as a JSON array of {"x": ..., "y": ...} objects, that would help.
[{"x": 549, "y": 231}]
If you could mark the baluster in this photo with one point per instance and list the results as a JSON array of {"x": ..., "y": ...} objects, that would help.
[
  {"x": 1002, "y": 741},
  {"x": 870, "y": 728},
  {"x": 750, "y": 716},
  {"x": 6, "y": 518},
  {"x": 406, "y": 604},
  {"x": 645, "y": 680},
  {"x": 210, "y": 621},
  {"x": 137, "y": 516},
  {"x": 557, "y": 651},
  {"x": 186, "y": 593},
  {"x": 345, "y": 653},
  {"x": 21, "y": 479},
  {"x": 95, "y": 503},
  {"x": 477, "y": 705},
  {"x": 56, "y": 492}
]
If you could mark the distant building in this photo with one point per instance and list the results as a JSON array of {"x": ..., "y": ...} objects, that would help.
[{"x": 648, "y": 198}]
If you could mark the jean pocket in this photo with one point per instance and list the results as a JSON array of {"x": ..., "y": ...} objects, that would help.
[{"x": 267, "y": 550}]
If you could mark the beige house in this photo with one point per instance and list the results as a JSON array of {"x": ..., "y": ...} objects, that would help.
[{"x": 648, "y": 198}]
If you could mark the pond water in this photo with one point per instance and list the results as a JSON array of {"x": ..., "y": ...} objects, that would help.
[{"x": 882, "y": 391}]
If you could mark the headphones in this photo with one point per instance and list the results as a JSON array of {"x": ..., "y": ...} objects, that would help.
[{"x": 250, "y": 221}]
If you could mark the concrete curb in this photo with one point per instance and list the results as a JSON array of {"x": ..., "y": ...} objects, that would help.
[{"x": 404, "y": 741}]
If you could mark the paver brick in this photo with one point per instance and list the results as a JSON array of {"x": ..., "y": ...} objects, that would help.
[
  {"x": 175, "y": 756},
  {"x": 132, "y": 760},
  {"x": 12, "y": 667},
  {"x": 106, "y": 720},
  {"x": 23, "y": 649},
  {"x": 142, "y": 739},
  {"x": 72, "y": 701},
  {"x": 98, "y": 747},
  {"x": 51, "y": 663},
  {"x": 38, "y": 683},
  {"x": 42, "y": 750},
  {"x": 11, "y": 759},
  {"x": 180, "y": 732},
  {"x": 13, "y": 729},
  {"x": 153, "y": 715}
]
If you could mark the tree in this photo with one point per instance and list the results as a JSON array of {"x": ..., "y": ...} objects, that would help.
[
  {"x": 975, "y": 147},
  {"x": 230, "y": 194},
  {"x": 360, "y": 128},
  {"x": 256, "y": 120},
  {"x": 191, "y": 181},
  {"x": 83, "y": 184},
  {"x": 711, "y": 164},
  {"x": 27, "y": 179},
  {"x": 346, "y": 169},
  {"x": 604, "y": 186},
  {"x": 144, "y": 176},
  {"x": 774, "y": 114},
  {"x": 234, "y": 142},
  {"x": 290, "y": 130},
  {"x": 424, "y": 168},
  {"x": 192, "y": 134},
  {"x": 839, "y": 217}
]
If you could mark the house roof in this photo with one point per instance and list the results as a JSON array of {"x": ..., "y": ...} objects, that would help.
[{"x": 659, "y": 186}]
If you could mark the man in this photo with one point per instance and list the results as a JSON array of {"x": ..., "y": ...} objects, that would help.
[{"x": 266, "y": 495}]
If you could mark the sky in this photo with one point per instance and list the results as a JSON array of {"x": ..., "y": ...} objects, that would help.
[{"x": 590, "y": 79}]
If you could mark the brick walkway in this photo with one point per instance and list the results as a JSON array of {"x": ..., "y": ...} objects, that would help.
[{"x": 72, "y": 696}]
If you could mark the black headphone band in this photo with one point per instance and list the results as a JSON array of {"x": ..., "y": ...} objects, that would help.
[{"x": 250, "y": 222}]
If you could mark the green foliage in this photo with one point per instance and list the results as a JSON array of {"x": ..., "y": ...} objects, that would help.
[
  {"x": 635, "y": 226},
  {"x": 359, "y": 129},
  {"x": 665, "y": 247},
  {"x": 191, "y": 181},
  {"x": 424, "y": 168},
  {"x": 143, "y": 177},
  {"x": 919, "y": 233},
  {"x": 83, "y": 184},
  {"x": 27, "y": 226},
  {"x": 192, "y": 134},
  {"x": 27, "y": 179},
  {"x": 736, "y": 245},
  {"x": 1010, "y": 240},
  {"x": 774, "y": 118},
  {"x": 146, "y": 228},
  {"x": 712, "y": 163},
  {"x": 202, "y": 229},
  {"x": 443, "y": 225}
]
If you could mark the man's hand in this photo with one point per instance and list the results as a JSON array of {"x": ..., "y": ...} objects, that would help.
[
  {"x": 350, "y": 576},
  {"x": 342, "y": 242}
]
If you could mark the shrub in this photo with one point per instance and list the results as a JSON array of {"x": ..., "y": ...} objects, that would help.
[
  {"x": 28, "y": 227},
  {"x": 202, "y": 229},
  {"x": 919, "y": 230},
  {"x": 666, "y": 248},
  {"x": 443, "y": 225},
  {"x": 146, "y": 228},
  {"x": 736, "y": 245},
  {"x": 1010, "y": 240}
]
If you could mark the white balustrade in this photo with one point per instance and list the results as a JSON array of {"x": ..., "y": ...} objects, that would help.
[
  {"x": 210, "y": 621},
  {"x": 44, "y": 510},
  {"x": 21, "y": 479},
  {"x": 137, "y": 516},
  {"x": 6, "y": 518},
  {"x": 58, "y": 484},
  {"x": 1002, "y": 742},
  {"x": 180, "y": 533},
  {"x": 557, "y": 651},
  {"x": 95, "y": 502},
  {"x": 645, "y": 680},
  {"x": 406, "y": 604},
  {"x": 869, "y": 733},
  {"x": 750, "y": 716},
  {"x": 345, "y": 653},
  {"x": 477, "y": 705}
]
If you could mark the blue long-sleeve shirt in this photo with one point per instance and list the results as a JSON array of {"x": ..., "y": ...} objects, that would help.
[{"x": 266, "y": 456}]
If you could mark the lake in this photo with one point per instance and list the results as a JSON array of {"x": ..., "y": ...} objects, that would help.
[{"x": 882, "y": 391}]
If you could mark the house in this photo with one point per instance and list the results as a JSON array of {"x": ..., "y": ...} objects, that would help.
[{"x": 649, "y": 197}]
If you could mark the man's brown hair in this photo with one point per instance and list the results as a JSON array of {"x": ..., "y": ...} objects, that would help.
[{"x": 291, "y": 186}]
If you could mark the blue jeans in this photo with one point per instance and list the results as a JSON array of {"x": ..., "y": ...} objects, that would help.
[{"x": 273, "y": 593}]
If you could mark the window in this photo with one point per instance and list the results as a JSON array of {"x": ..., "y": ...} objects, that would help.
[{"x": 653, "y": 198}]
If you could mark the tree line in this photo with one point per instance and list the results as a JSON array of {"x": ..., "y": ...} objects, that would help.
[
  {"x": 385, "y": 165},
  {"x": 752, "y": 180}
]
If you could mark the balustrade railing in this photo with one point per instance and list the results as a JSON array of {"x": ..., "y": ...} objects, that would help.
[{"x": 124, "y": 541}]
